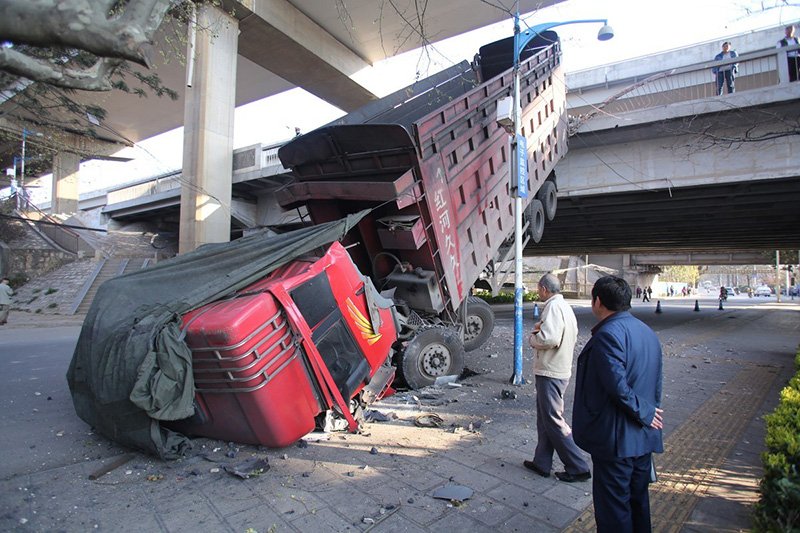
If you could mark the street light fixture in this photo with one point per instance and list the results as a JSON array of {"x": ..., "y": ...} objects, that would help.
[
  {"x": 22, "y": 190},
  {"x": 519, "y": 174}
]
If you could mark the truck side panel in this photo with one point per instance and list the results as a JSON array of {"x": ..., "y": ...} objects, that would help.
[{"x": 464, "y": 160}]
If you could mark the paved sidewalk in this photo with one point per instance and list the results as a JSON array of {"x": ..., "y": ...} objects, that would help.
[{"x": 382, "y": 479}]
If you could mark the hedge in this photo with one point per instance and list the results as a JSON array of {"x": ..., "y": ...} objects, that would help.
[
  {"x": 505, "y": 297},
  {"x": 779, "y": 506}
]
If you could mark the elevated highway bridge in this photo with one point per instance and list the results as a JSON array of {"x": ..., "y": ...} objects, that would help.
[{"x": 657, "y": 162}]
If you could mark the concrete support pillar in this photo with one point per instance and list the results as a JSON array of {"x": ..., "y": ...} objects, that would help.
[
  {"x": 66, "y": 172},
  {"x": 208, "y": 130}
]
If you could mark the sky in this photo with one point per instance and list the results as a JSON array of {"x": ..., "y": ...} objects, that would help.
[{"x": 641, "y": 27}]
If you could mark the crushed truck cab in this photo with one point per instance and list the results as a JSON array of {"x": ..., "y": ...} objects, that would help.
[{"x": 305, "y": 339}]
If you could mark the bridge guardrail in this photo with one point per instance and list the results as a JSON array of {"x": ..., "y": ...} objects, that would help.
[
  {"x": 756, "y": 70},
  {"x": 173, "y": 180}
]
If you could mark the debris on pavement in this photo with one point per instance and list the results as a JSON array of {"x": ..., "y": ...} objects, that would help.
[
  {"x": 508, "y": 394},
  {"x": 116, "y": 463},
  {"x": 250, "y": 468},
  {"x": 453, "y": 493},
  {"x": 428, "y": 420},
  {"x": 468, "y": 373},
  {"x": 442, "y": 381},
  {"x": 316, "y": 436},
  {"x": 373, "y": 415}
]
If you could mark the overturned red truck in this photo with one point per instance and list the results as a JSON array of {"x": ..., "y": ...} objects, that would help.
[{"x": 423, "y": 177}]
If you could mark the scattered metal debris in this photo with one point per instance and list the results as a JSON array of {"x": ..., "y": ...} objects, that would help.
[
  {"x": 116, "y": 463},
  {"x": 251, "y": 468},
  {"x": 453, "y": 493},
  {"x": 508, "y": 394},
  {"x": 428, "y": 420},
  {"x": 442, "y": 381},
  {"x": 373, "y": 415}
]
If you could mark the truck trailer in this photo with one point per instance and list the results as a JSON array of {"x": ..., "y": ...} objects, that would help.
[{"x": 406, "y": 204}]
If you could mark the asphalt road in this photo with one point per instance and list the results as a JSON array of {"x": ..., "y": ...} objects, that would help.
[
  {"x": 47, "y": 447},
  {"x": 41, "y": 430}
]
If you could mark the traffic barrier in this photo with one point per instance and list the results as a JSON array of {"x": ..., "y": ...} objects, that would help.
[
  {"x": 720, "y": 305},
  {"x": 535, "y": 310},
  {"x": 697, "y": 306},
  {"x": 658, "y": 306}
]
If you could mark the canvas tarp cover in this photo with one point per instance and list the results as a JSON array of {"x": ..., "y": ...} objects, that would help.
[{"x": 131, "y": 367}]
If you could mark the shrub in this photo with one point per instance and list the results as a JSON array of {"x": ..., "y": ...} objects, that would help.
[
  {"x": 505, "y": 297},
  {"x": 52, "y": 305},
  {"x": 778, "y": 509},
  {"x": 51, "y": 290}
]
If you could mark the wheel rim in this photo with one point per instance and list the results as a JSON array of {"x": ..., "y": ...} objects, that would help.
[
  {"x": 435, "y": 360},
  {"x": 474, "y": 326}
]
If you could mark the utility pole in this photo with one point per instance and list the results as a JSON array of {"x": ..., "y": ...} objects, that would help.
[{"x": 778, "y": 274}]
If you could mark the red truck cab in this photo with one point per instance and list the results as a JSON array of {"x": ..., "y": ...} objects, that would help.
[{"x": 307, "y": 338}]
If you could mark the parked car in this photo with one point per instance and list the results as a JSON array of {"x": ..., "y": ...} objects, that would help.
[
  {"x": 730, "y": 291},
  {"x": 763, "y": 290}
]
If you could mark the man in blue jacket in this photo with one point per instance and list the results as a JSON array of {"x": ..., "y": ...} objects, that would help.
[
  {"x": 726, "y": 74},
  {"x": 616, "y": 415}
]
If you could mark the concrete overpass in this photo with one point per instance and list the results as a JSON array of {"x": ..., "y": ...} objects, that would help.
[
  {"x": 245, "y": 50},
  {"x": 657, "y": 161}
]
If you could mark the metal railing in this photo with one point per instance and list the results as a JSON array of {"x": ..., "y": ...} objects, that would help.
[
  {"x": 64, "y": 238},
  {"x": 757, "y": 70},
  {"x": 173, "y": 180},
  {"x": 159, "y": 184}
]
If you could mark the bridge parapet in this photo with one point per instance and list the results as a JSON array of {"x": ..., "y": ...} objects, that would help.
[
  {"x": 763, "y": 77},
  {"x": 250, "y": 162}
]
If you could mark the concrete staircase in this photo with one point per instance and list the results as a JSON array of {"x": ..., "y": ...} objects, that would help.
[{"x": 105, "y": 270}]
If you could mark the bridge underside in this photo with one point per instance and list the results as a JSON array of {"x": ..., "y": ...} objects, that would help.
[{"x": 753, "y": 215}]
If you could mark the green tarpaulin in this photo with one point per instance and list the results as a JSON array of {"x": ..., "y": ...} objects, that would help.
[{"x": 131, "y": 368}]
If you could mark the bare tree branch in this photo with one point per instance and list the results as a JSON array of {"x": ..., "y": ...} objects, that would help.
[
  {"x": 94, "y": 78},
  {"x": 85, "y": 25}
]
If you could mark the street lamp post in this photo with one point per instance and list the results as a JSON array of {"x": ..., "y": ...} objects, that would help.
[
  {"x": 22, "y": 189},
  {"x": 518, "y": 174}
]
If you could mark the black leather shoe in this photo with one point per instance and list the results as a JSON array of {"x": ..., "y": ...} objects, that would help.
[
  {"x": 530, "y": 466},
  {"x": 572, "y": 478}
]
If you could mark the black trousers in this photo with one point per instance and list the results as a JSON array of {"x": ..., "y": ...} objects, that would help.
[{"x": 620, "y": 494}]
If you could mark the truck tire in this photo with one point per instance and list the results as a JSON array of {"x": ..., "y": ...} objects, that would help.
[
  {"x": 479, "y": 323},
  {"x": 433, "y": 352},
  {"x": 549, "y": 198},
  {"x": 535, "y": 216}
]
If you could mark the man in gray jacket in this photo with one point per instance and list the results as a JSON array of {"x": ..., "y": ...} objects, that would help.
[
  {"x": 554, "y": 339},
  {"x": 5, "y": 300}
]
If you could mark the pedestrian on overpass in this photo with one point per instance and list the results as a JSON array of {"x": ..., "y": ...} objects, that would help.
[
  {"x": 554, "y": 338},
  {"x": 793, "y": 56},
  {"x": 5, "y": 300},
  {"x": 616, "y": 415},
  {"x": 726, "y": 74}
]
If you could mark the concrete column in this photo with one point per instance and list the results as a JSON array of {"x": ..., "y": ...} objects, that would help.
[
  {"x": 208, "y": 130},
  {"x": 66, "y": 173}
]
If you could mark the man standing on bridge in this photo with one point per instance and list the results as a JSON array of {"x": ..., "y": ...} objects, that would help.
[
  {"x": 726, "y": 74},
  {"x": 554, "y": 339},
  {"x": 616, "y": 415},
  {"x": 792, "y": 57}
]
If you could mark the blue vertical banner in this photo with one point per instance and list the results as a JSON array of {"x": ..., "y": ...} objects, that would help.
[
  {"x": 522, "y": 166},
  {"x": 517, "y": 379}
]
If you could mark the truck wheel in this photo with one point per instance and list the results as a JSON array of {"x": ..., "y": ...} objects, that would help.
[
  {"x": 549, "y": 198},
  {"x": 479, "y": 323},
  {"x": 535, "y": 216},
  {"x": 433, "y": 352}
]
